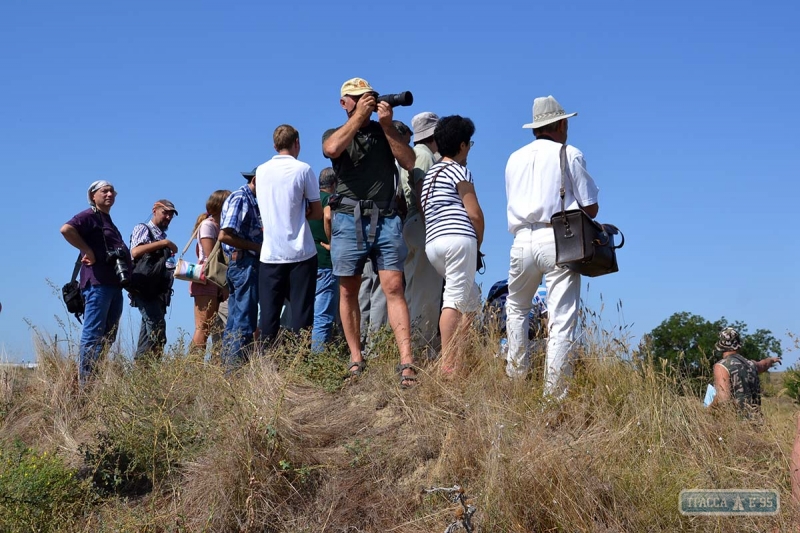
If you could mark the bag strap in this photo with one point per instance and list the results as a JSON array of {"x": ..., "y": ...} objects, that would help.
[
  {"x": 433, "y": 183},
  {"x": 77, "y": 268},
  {"x": 194, "y": 234}
]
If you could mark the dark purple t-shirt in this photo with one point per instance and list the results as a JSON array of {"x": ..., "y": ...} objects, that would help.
[{"x": 89, "y": 226}]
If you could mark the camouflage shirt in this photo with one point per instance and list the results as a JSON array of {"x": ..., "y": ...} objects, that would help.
[{"x": 745, "y": 385}]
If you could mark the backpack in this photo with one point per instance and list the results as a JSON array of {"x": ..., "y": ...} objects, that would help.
[{"x": 150, "y": 277}]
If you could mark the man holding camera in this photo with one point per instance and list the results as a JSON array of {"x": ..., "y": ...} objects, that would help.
[
  {"x": 103, "y": 273},
  {"x": 366, "y": 223},
  {"x": 152, "y": 278}
]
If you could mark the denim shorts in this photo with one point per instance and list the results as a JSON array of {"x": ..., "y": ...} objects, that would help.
[{"x": 388, "y": 252}]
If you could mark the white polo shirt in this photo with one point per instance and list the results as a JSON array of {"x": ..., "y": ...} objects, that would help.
[
  {"x": 283, "y": 185},
  {"x": 533, "y": 180}
]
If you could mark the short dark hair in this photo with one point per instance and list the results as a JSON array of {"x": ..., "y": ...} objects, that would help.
[
  {"x": 451, "y": 132},
  {"x": 550, "y": 128},
  {"x": 284, "y": 137}
]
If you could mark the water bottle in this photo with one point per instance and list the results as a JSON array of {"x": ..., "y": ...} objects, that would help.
[{"x": 170, "y": 264}]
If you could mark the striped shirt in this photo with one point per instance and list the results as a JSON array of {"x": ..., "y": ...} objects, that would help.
[{"x": 441, "y": 204}]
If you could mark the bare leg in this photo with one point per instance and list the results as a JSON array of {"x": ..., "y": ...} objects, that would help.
[
  {"x": 794, "y": 465},
  {"x": 392, "y": 283},
  {"x": 448, "y": 323},
  {"x": 205, "y": 309},
  {"x": 351, "y": 314}
]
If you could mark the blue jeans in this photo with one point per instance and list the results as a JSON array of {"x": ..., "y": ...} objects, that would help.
[
  {"x": 153, "y": 331},
  {"x": 242, "y": 309},
  {"x": 100, "y": 324},
  {"x": 388, "y": 252},
  {"x": 326, "y": 300}
]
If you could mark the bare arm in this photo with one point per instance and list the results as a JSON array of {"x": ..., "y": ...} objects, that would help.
[
  {"x": 765, "y": 364},
  {"x": 314, "y": 211},
  {"x": 466, "y": 191},
  {"x": 142, "y": 249},
  {"x": 226, "y": 236},
  {"x": 401, "y": 151},
  {"x": 592, "y": 210},
  {"x": 722, "y": 383},
  {"x": 327, "y": 223},
  {"x": 72, "y": 236},
  {"x": 341, "y": 138},
  {"x": 207, "y": 244}
]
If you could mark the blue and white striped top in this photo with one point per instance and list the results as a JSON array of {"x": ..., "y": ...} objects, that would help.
[{"x": 441, "y": 204}]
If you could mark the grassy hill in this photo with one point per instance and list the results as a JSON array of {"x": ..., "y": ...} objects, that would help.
[{"x": 284, "y": 446}]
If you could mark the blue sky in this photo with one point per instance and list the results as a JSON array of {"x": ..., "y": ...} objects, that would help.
[{"x": 687, "y": 120}]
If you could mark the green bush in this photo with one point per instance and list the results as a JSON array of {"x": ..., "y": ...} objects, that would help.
[
  {"x": 791, "y": 382},
  {"x": 38, "y": 492}
]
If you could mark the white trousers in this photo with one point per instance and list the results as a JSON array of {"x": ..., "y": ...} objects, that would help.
[
  {"x": 423, "y": 286},
  {"x": 533, "y": 255},
  {"x": 456, "y": 258}
]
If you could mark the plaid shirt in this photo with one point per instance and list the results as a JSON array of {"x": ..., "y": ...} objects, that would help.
[
  {"x": 240, "y": 214},
  {"x": 141, "y": 235}
]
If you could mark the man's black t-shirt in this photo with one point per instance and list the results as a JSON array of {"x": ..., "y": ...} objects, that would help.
[{"x": 366, "y": 169}]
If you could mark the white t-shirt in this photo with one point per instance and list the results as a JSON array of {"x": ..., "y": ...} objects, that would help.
[
  {"x": 533, "y": 180},
  {"x": 443, "y": 209},
  {"x": 284, "y": 187}
]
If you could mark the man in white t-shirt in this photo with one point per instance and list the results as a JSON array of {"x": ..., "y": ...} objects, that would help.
[
  {"x": 533, "y": 180},
  {"x": 287, "y": 192}
]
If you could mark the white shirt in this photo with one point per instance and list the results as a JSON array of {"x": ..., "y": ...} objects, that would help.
[
  {"x": 284, "y": 186},
  {"x": 533, "y": 180}
]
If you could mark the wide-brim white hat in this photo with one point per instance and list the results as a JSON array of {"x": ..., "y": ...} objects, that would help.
[{"x": 547, "y": 110}]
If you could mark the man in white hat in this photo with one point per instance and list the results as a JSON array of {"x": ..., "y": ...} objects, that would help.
[
  {"x": 423, "y": 283},
  {"x": 533, "y": 179}
]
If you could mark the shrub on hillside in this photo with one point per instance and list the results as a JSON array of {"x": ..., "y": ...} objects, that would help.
[{"x": 38, "y": 492}]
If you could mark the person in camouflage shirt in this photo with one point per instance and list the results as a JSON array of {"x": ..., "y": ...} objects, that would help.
[{"x": 736, "y": 378}]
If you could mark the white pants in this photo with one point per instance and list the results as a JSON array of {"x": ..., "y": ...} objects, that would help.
[
  {"x": 423, "y": 285},
  {"x": 456, "y": 259},
  {"x": 533, "y": 254}
]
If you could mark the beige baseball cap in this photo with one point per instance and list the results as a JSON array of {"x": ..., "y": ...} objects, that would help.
[{"x": 356, "y": 87}]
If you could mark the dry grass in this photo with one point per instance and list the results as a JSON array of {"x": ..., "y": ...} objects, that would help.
[{"x": 273, "y": 449}]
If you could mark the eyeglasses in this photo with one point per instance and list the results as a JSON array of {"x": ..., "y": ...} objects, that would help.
[{"x": 471, "y": 144}]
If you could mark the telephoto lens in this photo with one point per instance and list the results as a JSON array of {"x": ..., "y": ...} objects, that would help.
[
  {"x": 400, "y": 99},
  {"x": 121, "y": 270}
]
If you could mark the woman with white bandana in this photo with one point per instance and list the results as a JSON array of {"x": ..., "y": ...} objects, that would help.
[{"x": 100, "y": 243}]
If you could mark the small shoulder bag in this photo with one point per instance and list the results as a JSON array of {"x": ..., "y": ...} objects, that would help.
[
  {"x": 187, "y": 271},
  {"x": 582, "y": 244},
  {"x": 71, "y": 292}
]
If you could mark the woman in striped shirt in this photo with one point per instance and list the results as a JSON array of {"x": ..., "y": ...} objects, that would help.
[{"x": 453, "y": 232}]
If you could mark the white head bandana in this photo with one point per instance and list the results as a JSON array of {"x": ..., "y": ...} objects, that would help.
[{"x": 96, "y": 186}]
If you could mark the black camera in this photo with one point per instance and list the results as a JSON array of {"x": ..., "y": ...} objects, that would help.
[
  {"x": 400, "y": 99},
  {"x": 119, "y": 259}
]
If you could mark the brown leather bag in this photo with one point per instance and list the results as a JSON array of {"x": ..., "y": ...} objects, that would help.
[{"x": 582, "y": 244}]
